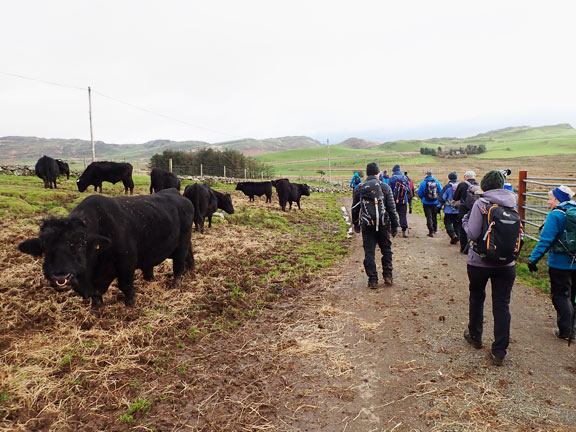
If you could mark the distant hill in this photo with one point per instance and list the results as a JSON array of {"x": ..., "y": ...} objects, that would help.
[
  {"x": 27, "y": 150},
  {"x": 502, "y": 143},
  {"x": 357, "y": 143}
]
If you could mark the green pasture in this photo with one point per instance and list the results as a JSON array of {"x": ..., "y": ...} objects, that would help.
[
  {"x": 25, "y": 196},
  {"x": 346, "y": 167},
  {"x": 529, "y": 147}
]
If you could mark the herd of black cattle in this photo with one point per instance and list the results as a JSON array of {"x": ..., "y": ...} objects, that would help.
[{"x": 104, "y": 238}]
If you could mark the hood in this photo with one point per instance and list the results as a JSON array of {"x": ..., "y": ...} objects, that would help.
[
  {"x": 566, "y": 204},
  {"x": 430, "y": 178},
  {"x": 501, "y": 196}
]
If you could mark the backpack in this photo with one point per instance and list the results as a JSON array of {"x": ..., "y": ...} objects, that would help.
[
  {"x": 470, "y": 196},
  {"x": 357, "y": 180},
  {"x": 401, "y": 189},
  {"x": 502, "y": 234},
  {"x": 449, "y": 196},
  {"x": 431, "y": 190},
  {"x": 566, "y": 241},
  {"x": 372, "y": 209}
]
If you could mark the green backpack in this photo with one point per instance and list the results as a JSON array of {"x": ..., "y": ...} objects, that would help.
[{"x": 566, "y": 241}]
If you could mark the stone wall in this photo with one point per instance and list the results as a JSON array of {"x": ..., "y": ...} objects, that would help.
[{"x": 29, "y": 171}]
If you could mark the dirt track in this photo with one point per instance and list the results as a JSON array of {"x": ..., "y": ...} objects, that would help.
[{"x": 395, "y": 359}]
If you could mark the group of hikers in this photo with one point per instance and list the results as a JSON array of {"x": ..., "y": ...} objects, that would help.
[{"x": 483, "y": 218}]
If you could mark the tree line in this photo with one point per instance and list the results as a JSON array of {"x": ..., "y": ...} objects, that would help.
[
  {"x": 453, "y": 151},
  {"x": 229, "y": 163}
]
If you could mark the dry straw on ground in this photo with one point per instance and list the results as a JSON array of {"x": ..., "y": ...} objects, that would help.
[{"x": 63, "y": 368}]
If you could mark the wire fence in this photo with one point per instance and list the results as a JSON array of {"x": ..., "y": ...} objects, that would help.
[{"x": 532, "y": 200}]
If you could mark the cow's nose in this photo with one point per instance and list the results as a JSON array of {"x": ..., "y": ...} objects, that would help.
[{"x": 61, "y": 279}]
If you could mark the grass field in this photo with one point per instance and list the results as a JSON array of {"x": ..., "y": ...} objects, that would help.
[{"x": 514, "y": 146}]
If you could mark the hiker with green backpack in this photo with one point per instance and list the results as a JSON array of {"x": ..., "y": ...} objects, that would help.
[
  {"x": 558, "y": 238},
  {"x": 374, "y": 213}
]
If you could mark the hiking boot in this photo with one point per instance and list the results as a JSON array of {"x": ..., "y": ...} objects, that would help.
[
  {"x": 404, "y": 234},
  {"x": 496, "y": 361},
  {"x": 475, "y": 343},
  {"x": 388, "y": 280},
  {"x": 561, "y": 335},
  {"x": 454, "y": 240},
  {"x": 430, "y": 233},
  {"x": 372, "y": 284}
]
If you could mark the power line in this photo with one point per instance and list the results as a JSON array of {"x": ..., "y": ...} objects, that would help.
[
  {"x": 125, "y": 103},
  {"x": 43, "y": 81},
  {"x": 165, "y": 116}
]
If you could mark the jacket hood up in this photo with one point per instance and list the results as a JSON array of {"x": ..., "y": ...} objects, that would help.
[{"x": 502, "y": 197}]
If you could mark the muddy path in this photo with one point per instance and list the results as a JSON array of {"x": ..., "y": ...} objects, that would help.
[{"x": 346, "y": 358}]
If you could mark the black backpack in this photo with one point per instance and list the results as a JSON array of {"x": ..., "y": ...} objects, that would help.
[
  {"x": 502, "y": 234},
  {"x": 372, "y": 209},
  {"x": 431, "y": 190}
]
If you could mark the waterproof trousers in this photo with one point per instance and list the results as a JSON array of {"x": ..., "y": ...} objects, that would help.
[
  {"x": 452, "y": 224},
  {"x": 563, "y": 292},
  {"x": 431, "y": 212},
  {"x": 463, "y": 237},
  {"x": 502, "y": 281},
  {"x": 401, "y": 210},
  {"x": 371, "y": 238}
]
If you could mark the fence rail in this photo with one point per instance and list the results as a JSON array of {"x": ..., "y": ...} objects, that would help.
[{"x": 531, "y": 192}]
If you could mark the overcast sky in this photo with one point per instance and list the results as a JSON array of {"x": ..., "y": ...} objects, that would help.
[{"x": 222, "y": 70}]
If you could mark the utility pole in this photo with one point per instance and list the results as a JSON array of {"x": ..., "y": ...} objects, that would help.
[
  {"x": 90, "y": 115},
  {"x": 329, "y": 169}
]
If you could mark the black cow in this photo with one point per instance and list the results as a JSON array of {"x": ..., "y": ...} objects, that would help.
[
  {"x": 256, "y": 188},
  {"x": 206, "y": 201},
  {"x": 290, "y": 192},
  {"x": 107, "y": 238},
  {"x": 63, "y": 168},
  {"x": 113, "y": 172},
  {"x": 47, "y": 169},
  {"x": 161, "y": 179}
]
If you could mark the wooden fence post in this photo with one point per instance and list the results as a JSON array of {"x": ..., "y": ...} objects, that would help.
[{"x": 522, "y": 175}]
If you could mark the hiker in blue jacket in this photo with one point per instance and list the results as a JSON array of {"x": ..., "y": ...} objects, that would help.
[
  {"x": 561, "y": 263},
  {"x": 451, "y": 219},
  {"x": 356, "y": 180},
  {"x": 402, "y": 191},
  {"x": 428, "y": 191}
]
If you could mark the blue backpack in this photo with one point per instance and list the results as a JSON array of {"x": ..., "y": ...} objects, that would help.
[{"x": 401, "y": 189}]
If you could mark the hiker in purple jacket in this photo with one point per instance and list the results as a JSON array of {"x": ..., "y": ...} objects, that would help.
[{"x": 479, "y": 272}]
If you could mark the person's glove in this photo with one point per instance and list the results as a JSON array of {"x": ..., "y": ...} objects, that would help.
[
  {"x": 532, "y": 266},
  {"x": 356, "y": 228},
  {"x": 394, "y": 232}
]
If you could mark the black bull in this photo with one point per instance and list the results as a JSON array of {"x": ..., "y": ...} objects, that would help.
[
  {"x": 206, "y": 201},
  {"x": 107, "y": 238},
  {"x": 256, "y": 188}
]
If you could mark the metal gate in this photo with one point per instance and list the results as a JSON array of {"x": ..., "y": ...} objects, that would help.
[{"x": 532, "y": 200}]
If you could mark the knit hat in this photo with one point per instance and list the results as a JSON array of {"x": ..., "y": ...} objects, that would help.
[
  {"x": 452, "y": 175},
  {"x": 563, "y": 193},
  {"x": 396, "y": 167},
  {"x": 470, "y": 174},
  {"x": 372, "y": 169},
  {"x": 492, "y": 180}
]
